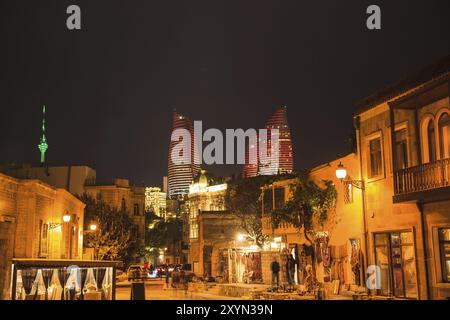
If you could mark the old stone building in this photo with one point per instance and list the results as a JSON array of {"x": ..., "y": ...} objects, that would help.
[
  {"x": 393, "y": 207},
  {"x": 211, "y": 228},
  {"x": 120, "y": 195},
  {"x": 403, "y": 136},
  {"x": 339, "y": 238},
  {"x": 37, "y": 221}
]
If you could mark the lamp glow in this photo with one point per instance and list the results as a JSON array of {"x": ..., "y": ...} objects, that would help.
[
  {"x": 240, "y": 237},
  {"x": 93, "y": 227},
  {"x": 341, "y": 171},
  {"x": 66, "y": 218}
]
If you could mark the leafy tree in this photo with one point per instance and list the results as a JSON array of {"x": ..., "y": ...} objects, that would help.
[
  {"x": 160, "y": 233},
  {"x": 309, "y": 206},
  {"x": 116, "y": 235},
  {"x": 243, "y": 199}
]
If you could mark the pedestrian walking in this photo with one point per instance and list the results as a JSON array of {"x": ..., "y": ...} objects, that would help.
[{"x": 275, "y": 268}]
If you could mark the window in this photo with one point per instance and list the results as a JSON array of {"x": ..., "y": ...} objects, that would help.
[
  {"x": 279, "y": 197},
  {"x": 444, "y": 248},
  {"x": 444, "y": 135},
  {"x": 123, "y": 205},
  {"x": 395, "y": 256},
  {"x": 43, "y": 245},
  {"x": 136, "y": 209},
  {"x": 401, "y": 149},
  {"x": 267, "y": 199},
  {"x": 193, "y": 224},
  {"x": 431, "y": 141},
  {"x": 375, "y": 158}
]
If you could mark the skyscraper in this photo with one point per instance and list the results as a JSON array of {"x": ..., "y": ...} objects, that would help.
[
  {"x": 285, "y": 155},
  {"x": 250, "y": 168},
  {"x": 180, "y": 175}
]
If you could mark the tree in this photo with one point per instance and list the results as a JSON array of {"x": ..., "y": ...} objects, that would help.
[
  {"x": 160, "y": 233},
  {"x": 116, "y": 235},
  {"x": 309, "y": 206},
  {"x": 243, "y": 199}
]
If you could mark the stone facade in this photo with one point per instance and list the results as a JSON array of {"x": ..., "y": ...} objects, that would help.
[
  {"x": 32, "y": 226},
  {"x": 120, "y": 195}
]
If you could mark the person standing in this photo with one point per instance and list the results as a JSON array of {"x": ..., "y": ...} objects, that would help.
[
  {"x": 275, "y": 268},
  {"x": 290, "y": 271}
]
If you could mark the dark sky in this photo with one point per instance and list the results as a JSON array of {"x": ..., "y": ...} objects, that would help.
[{"x": 110, "y": 88}]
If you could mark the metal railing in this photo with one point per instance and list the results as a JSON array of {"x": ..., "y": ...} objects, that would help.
[{"x": 422, "y": 177}]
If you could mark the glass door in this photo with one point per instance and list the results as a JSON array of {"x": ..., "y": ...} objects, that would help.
[{"x": 395, "y": 256}]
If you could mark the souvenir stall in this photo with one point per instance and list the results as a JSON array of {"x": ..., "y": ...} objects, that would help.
[
  {"x": 42, "y": 279},
  {"x": 241, "y": 265}
]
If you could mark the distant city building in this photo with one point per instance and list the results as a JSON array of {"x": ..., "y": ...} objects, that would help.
[
  {"x": 165, "y": 188},
  {"x": 254, "y": 167},
  {"x": 181, "y": 175},
  {"x": 155, "y": 201},
  {"x": 250, "y": 168}
]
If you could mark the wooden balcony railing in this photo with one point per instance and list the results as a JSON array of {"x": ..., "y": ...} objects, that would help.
[{"x": 423, "y": 177}]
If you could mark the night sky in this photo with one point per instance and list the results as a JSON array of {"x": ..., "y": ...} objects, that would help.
[{"x": 110, "y": 88}]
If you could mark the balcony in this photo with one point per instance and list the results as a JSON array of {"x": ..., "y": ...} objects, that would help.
[{"x": 426, "y": 182}]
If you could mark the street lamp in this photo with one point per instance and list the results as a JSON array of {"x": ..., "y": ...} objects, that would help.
[
  {"x": 240, "y": 237},
  {"x": 341, "y": 171},
  {"x": 93, "y": 227},
  {"x": 341, "y": 174},
  {"x": 66, "y": 218}
]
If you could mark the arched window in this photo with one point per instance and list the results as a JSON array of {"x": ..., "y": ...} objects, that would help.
[
  {"x": 123, "y": 205},
  {"x": 136, "y": 209},
  {"x": 444, "y": 135},
  {"x": 431, "y": 141}
]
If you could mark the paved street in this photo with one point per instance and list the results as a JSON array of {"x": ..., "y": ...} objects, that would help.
[{"x": 154, "y": 290}]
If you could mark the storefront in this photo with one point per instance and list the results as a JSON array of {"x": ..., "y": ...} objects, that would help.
[
  {"x": 395, "y": 256},
  {"x": 42, "y": 279},
  {"x": 239, "y": 265}
]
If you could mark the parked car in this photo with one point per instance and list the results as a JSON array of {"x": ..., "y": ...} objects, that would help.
[{"x": 136, "y": 272}]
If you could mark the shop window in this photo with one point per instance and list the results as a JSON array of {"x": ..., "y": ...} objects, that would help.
[
  {"x": 375, "y": 158},
  {"x": 444, "y": 135},
  {"x": 394, "y": 253},
  {"x": 401, "y": 149},
  {"x": 444, "y": 246}
]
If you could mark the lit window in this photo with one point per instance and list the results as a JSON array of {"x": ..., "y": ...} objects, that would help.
[
  {"x": 376, "y": 164},
  {"x": 401, "y": 149}
]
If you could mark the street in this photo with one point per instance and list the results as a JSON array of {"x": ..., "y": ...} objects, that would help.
[{"x": 155, "y": 290}]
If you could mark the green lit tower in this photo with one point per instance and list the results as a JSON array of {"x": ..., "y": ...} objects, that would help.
[{"x": 43, "y": 146}]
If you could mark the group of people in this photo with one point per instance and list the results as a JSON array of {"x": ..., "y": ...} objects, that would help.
[
  {"x": 310, "y": 281},
  {"x": 290, "y": 272}
]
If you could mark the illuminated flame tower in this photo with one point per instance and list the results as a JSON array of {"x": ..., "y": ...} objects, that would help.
[{"x": 180, "y": 176}]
